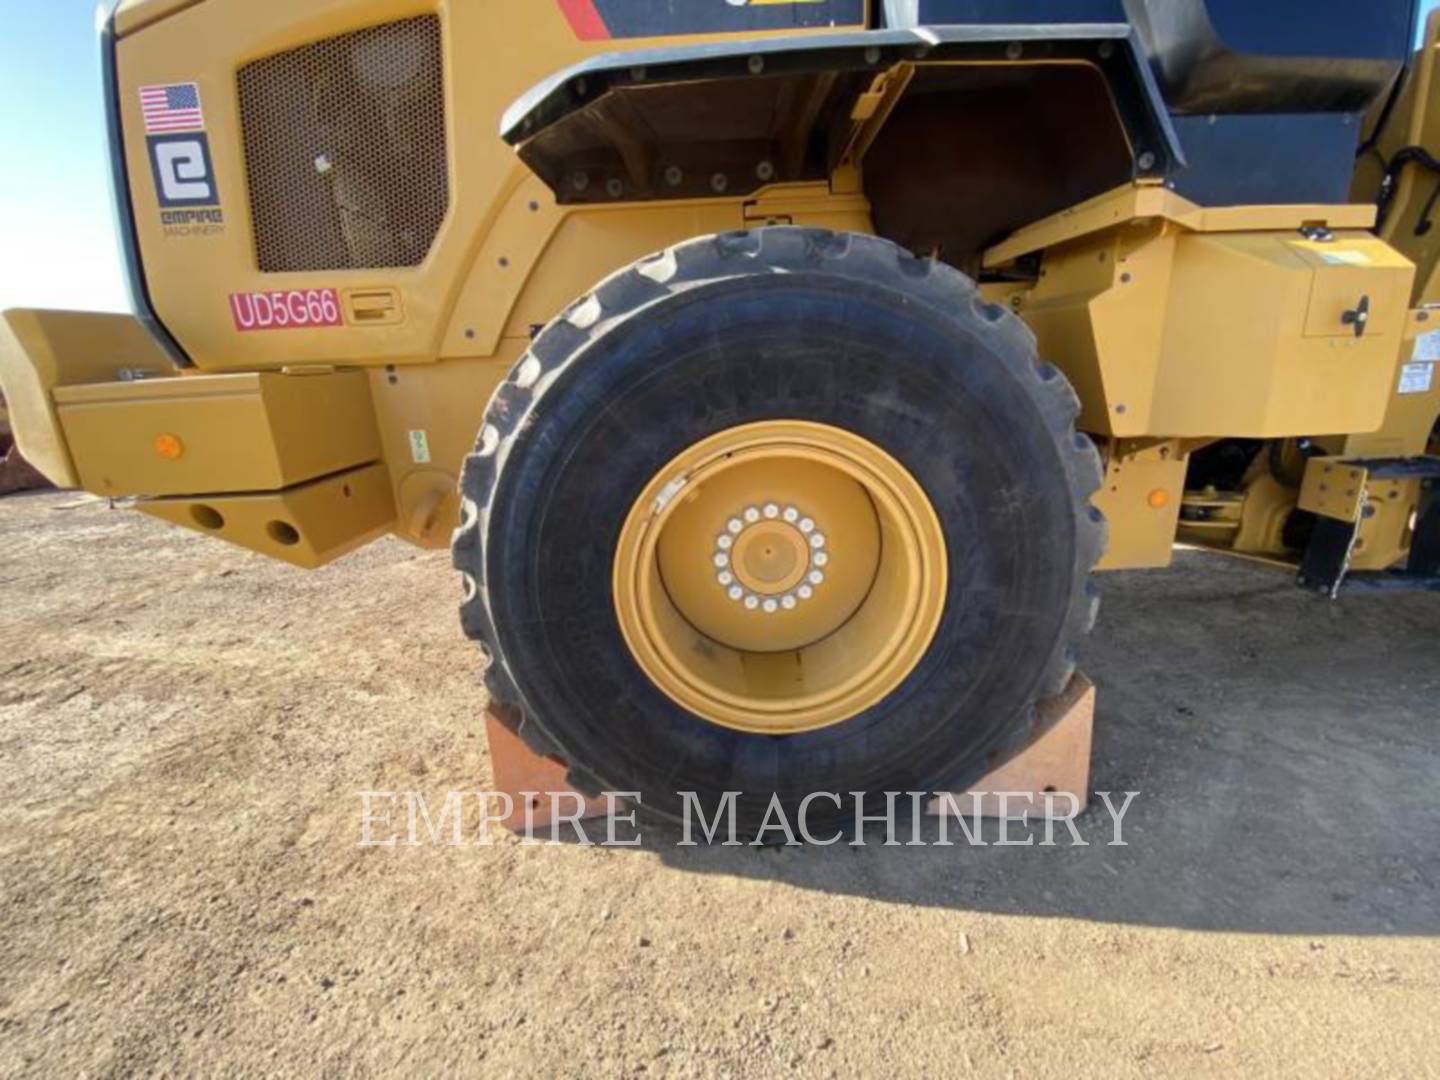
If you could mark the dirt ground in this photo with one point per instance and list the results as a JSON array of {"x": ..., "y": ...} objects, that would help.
[{"x": 184, "y": 728}]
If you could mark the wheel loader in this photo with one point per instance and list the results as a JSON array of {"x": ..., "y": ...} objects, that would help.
[{"x": 780, "y": 372}]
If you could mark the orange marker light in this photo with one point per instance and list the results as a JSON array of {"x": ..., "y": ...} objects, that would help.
[
  {"x": 169, "y": 447},
  {"x": 1158, "y": 499}
]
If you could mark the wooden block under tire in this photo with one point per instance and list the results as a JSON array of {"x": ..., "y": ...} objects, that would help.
[
  {"x": 1055, "y": 764},
  {"x": 536, "y": 784}
]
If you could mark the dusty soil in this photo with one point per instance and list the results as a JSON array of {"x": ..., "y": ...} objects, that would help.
[{"x": 184, "y": 728}]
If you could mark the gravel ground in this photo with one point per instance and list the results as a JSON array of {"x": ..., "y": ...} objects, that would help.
[{"x": 184, "y": 728}]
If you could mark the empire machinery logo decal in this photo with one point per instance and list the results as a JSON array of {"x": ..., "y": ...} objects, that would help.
[
  {"x": 602, "y": 20},
  {"x": 391, "y": 819},
  {"x": 180, "y": 161}
]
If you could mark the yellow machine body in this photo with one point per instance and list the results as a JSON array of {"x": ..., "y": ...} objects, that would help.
[
  {"x": 1171, "y": 320},
  {"x": 323, "y": 407}
]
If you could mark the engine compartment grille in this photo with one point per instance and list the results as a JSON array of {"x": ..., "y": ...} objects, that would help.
[{"x": 345, "y": 149}]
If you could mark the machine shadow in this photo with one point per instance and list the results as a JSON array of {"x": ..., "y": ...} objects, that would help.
[{"x": 1284, "y": 752}]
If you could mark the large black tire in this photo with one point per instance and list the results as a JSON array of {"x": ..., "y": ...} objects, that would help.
[{"x": 779, "y": 323}]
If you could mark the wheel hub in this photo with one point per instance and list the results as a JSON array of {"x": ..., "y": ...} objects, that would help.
[
  {"x": 780, "y": 577},
  {"x": 770, "y": 559}
]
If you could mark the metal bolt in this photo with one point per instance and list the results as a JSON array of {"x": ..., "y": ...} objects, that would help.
[
  {"x": 1014, "y": 50},
  {"x": 719, "y": 182},
  {"x": 756, "y": 64},
  {"x": 872, "y": 55},
  {"x": 1146, "y": 161},
  {"x": 765, "y": 171},
  {"x": 674, "y": 175},
  {"x": 1107, "y": 50},
  {"x": 580, "y": 181},
  {"x": 614, "y": 187}
]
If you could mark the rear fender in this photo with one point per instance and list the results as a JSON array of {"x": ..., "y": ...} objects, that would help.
[{"x": 731, "y": 117}]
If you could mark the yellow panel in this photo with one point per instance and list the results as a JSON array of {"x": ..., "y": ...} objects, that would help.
[
  {"x": 434, "y": 413},
  {"x": 606, "y": 242},
  {"x": 494, "y": 52},
  {"x": 809, "y": 204},
  {"x": 1169, "y": 332},
  {"x": 1236, "y": 360},
  {"x": 40, "y": 350},
  {"x": 1333, "y": 488},
  {"x": 1413, "y": 407},
  {"x": 131, "y": 15},
  {"x": 1384, "y": 537},
  {"x": 217, "y": 433},
  {"x": 1343, "y": 277},
  {"x": 1141, "y": 497},
  {"x": 372, "y": 307},
  {"x": 539, "y": 257},
  {"x": 1149, "y": 202},
  {"x": 309, "y": 525}
]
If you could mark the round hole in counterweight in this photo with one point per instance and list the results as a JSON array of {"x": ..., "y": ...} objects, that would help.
[
  {"x": 282, "y": 532},
  {"x": 207, "y": 517}
]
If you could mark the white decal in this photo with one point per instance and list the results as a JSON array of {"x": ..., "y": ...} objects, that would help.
[
  {"x": 1427, "y": 346},
  {"x": 1416, "y": 378}
]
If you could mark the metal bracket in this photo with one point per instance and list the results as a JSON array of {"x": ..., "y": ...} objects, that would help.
[{"x": 1326, "y": 565}]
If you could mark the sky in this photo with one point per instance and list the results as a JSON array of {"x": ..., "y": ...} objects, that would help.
[{"x": 57, "y": 240}]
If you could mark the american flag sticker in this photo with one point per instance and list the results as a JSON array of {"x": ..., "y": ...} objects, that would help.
[{"x": 175, "y": 107}]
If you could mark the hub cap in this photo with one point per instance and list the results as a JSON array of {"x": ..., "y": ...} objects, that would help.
[{"x": 780, "y": 577}]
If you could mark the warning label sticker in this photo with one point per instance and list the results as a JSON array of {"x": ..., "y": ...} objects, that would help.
[
  {"x": 1427, "y": 347},
  {"x": 1416, "y": 378}
]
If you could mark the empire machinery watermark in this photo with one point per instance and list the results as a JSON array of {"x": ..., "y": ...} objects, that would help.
[{"x": 391, "y": 819}]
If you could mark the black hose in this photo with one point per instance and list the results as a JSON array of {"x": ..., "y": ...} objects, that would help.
[{"x": 1410, "y": 154}]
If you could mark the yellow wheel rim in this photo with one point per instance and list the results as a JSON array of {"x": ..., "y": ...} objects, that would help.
[{"x": 780, "y": 577}]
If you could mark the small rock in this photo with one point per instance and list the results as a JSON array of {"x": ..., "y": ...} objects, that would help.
[{"x": 964, "y": 944}]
